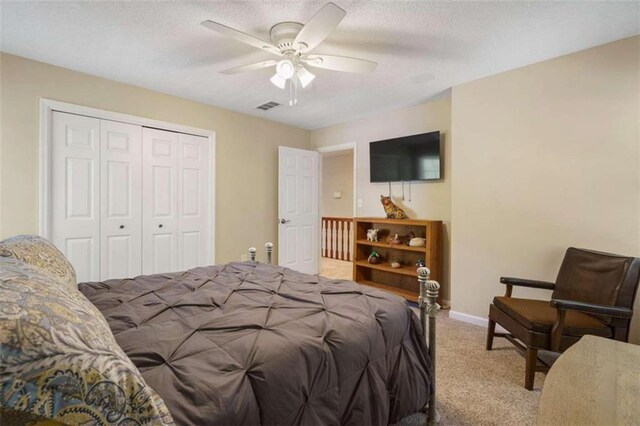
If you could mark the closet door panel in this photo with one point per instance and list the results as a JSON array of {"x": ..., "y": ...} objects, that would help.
[
  {"x": 121, "y": 202},
  {"x": 75, "y": 189},
  {"x": 193, "y": 157},
  {"x": 159, "y": 201}
]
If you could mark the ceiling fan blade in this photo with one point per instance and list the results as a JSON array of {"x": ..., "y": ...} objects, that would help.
[
  {"x": 340, "y": 63},
  {"x": 319, "y": 27},
  {"x": 240, "y": 36},
  {"x": 250, "y": 67}
]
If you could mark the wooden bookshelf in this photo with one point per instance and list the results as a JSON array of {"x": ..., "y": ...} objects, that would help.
[{"x": 401, "y": 281}]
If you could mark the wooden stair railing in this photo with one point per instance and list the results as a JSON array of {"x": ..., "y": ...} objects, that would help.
[{"x": 337, "y": 237}]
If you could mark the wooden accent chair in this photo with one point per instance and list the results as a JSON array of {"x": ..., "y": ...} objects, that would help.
[{"x": 593, "y": 294}]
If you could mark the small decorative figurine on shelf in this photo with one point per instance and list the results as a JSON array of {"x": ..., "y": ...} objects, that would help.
[
  {"x": 372, "y": 235},
  {"x": 420, "y": 264},
  {"x": 374, "y": 258},
  {"x": 417, "y": 242},
  {"x": 395, "y": 241},
  {"x": 390, "y": 208},
  {"x": 396, "y": 265}
]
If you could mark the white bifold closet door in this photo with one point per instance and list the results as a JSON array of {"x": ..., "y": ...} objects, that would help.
[
  {"x": 75, "y": 192},
  {"x": 193, "y": 184},
  {"x": 121, "y": 204},
  {"x": 174, "y": 219}
]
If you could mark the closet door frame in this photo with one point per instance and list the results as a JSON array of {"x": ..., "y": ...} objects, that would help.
[{"x": 48, "y": 106}]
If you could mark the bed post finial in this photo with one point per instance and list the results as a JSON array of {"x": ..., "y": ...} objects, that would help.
[
  {"x": 427, "y": 302},
  {"x": 269, "y": 247},
  {"x": 252, "y": 254}
]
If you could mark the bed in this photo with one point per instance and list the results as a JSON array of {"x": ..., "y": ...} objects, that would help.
[
  {"x": 254, "y": 343},
  {"x": 241, "y": 343}
]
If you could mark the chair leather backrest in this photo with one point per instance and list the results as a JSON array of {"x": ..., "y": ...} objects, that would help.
[{"x": 595, "y": 277}]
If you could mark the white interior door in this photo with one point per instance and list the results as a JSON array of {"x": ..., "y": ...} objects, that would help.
[
  {"x": 159, "y": 201},
  {"x": 193, "y": 238},
  {"x": 75, "y": 189},
  {"x": 121, "y": 200},
  {"x": 298, "y": 209}
]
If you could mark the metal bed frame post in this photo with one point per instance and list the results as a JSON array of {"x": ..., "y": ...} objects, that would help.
[
  {"x": 269, "y": 249},
  {"x": 429, "y": 309}
]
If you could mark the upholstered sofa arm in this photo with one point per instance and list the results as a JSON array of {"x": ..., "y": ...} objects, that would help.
[
  {"x": 592, "y": 308},
  {"x": 523, "y": 282}
]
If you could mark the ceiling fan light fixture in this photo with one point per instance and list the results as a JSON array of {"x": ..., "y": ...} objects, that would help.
[
  {"x": 278, "y": 81},
  {"x": 285, "y": 69},
  {"x": 305, "y": 76}
]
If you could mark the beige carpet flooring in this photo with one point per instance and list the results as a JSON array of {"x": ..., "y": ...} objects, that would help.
[
  {"x": 480, "y": 387},
  {"x": 474, "y": 386}
]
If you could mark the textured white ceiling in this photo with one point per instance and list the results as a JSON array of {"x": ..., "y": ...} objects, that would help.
[{"x": 423, "y": 48}]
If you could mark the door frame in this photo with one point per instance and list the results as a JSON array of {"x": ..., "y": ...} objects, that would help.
[
  {"x": 353, "y": 146},
  {"x": 48, "y": 106}
]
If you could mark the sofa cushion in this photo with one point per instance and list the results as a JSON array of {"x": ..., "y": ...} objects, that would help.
[
  {"x": 539, "y": 315},
  {"x": 42, "y": 254},
  {"x": 60, "y": 360}
]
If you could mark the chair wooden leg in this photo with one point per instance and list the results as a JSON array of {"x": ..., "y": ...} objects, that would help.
[
  {"x": 530, "y": 371},
  {"x": 490, "y": 331}
]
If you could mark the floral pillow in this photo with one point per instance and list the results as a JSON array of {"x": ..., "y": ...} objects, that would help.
[
  {"x": 41, "y": 253},
  {"x": 59, "y": 359}
]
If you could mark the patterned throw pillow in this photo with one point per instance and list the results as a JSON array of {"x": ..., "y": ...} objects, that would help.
[
  {"x": 59, "y": 359},
  {"x": 41, "y": 253}
]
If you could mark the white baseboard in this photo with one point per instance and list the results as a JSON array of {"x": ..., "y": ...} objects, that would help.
[{"x": 472, "y": 319}]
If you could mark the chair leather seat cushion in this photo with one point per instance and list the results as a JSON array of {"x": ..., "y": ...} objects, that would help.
[{"x": 539, "y": 315}]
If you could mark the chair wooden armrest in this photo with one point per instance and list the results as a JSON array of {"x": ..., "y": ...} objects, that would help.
[
  {"x": 562, "y": 306},
  {"x": 523, "y": 282},
  {"x": 592, "y": 308}
]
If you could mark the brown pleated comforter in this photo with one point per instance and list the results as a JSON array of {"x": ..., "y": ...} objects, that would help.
[{"x": 248, "y": 344}]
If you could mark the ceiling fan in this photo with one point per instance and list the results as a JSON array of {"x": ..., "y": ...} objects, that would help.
[{"x": 293, "y": 42}]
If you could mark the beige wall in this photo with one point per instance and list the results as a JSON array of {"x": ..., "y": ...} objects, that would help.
[
  {"x": 429, "y": 200},
  {"x": 246, "y": 149},
  {"x": 544, "y": 157},
  {"x": 337, "y": 176}
]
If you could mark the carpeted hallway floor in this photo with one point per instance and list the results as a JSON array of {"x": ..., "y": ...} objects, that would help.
[
  {"x": 476, "y": 386},
  {"x": 334, "y": 268}
]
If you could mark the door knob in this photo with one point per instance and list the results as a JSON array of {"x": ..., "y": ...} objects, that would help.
[
  {"x": 121, "y": 226},
  {"x": 160, "y": 226},
  {"x": 283, "y": 221}
]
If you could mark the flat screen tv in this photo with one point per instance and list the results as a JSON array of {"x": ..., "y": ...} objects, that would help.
[{"x": 415, "y": 157}]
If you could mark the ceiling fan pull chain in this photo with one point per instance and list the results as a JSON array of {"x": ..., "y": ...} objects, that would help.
[{"x": 290, "y": 93}]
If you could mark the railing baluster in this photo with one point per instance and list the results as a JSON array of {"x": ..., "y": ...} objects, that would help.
[
  {"x": 339, "y": 241},
  {"x": 324, "y": 237},
  {"x": 336, "y": 236},
  {"x": 330, "y": 230},
  {"x": 349, "y": 242},
  {"x": 331, "y": 225},
  {"x": 344, "y": 240}
]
